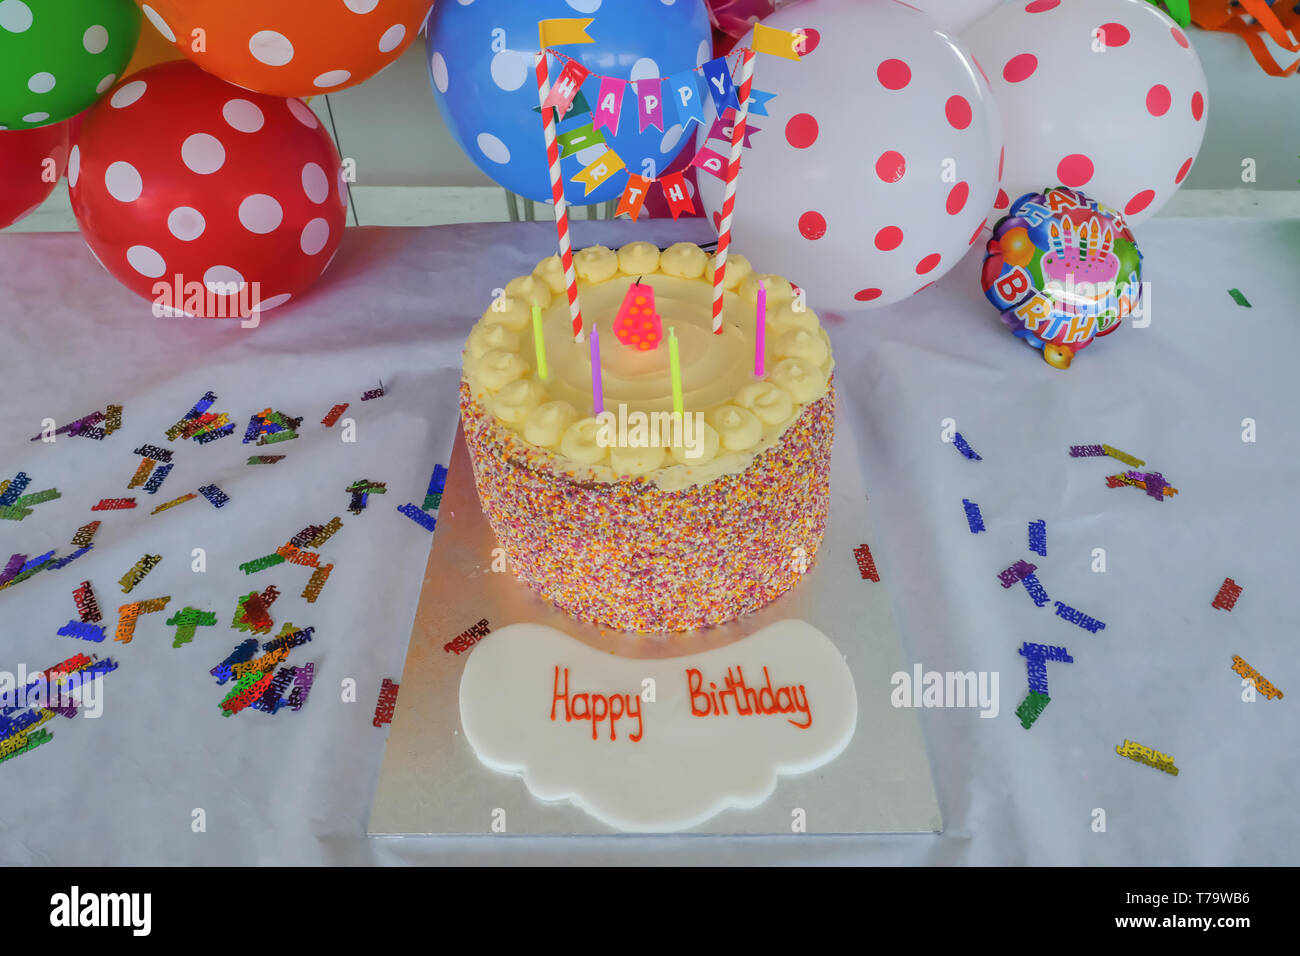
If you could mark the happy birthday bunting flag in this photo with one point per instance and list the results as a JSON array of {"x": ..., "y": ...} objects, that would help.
[
  {"x": 566, "y": 87},
  {"x": 776, "y": 42},
  {"x": 758, "y": 101},
  {"x": 711, "y": 162},
  {"x": 609, "y": 104},
  {"x": 675, "y": 192},
  {"x": 577, "y": 139},
  {"x": 599, "y": 170},
  {"x": 650, "y": 104},
  {"x": 684, "y": 92},
  {"x": 576, "y": 108},
  {"x": 634, "y": 196},
  {"x": 718, "y": 80},
  {"x": 722, "y": 129}
]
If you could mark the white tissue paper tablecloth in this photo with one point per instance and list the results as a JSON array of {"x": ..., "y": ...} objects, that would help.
[{"x": 396, "y": 305}]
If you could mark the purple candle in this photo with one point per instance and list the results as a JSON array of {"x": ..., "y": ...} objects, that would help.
[
  {"x": 760, "y": 340},
  {"x": 597, "y": 391}
]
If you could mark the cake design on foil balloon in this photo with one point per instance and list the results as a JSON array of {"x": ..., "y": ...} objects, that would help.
[{"x": 1063, "y": 270}]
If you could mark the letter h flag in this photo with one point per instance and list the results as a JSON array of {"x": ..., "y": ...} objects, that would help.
[
  {"x": 566, "y": 87},
  {"x": 675, "y": 191}
]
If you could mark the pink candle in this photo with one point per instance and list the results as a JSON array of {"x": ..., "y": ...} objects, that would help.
[
  {"x": 597, "y": 390},
  {"x": 760, "y": 339}
]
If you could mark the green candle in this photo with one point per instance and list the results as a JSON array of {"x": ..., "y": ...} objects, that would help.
[
  {"x": 539, "y": 342},
  {"x": 675, "y": 365}
]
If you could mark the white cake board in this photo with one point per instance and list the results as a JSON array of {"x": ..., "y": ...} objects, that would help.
[{"x": 431, "y": 781}]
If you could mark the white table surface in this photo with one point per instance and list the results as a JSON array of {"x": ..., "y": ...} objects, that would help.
[{"x": 396, "y": 305}]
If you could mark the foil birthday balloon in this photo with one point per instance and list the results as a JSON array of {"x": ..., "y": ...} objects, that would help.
[{"x": 1062, "y": 269}]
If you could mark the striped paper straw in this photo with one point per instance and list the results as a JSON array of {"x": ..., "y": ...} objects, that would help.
[
  {"x": 729, "y": 198},
  {"x": 557, "y": 193}
]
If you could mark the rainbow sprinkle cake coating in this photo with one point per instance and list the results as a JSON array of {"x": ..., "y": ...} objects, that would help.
[{"x": 625, "y": 533}]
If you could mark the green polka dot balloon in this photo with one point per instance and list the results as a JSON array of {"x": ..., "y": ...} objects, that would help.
[{"x": 57, "y": 57}]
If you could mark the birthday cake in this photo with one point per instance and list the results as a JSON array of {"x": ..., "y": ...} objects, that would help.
[{"x": 698, "y": 490}]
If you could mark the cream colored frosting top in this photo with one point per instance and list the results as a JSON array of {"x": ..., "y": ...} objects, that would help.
[{"x": 743, "y": 415}]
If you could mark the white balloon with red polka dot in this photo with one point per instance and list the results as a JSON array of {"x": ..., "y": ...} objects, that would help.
[
  {"x": 1107, "y": 96},
  {"x": 874, "y": 173}
]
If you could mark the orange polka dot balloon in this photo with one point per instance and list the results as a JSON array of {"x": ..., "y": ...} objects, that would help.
[
  {"x": 210, "y": 200},
  {"x": 290, "y": 47}
]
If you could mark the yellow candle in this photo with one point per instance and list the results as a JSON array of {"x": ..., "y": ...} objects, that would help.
[
  {"x": 538, "y": 341},
  {"x": 675, "y": 365}
]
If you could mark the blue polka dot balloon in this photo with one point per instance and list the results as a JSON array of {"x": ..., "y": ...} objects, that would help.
[{"x": 481, "y": 65}]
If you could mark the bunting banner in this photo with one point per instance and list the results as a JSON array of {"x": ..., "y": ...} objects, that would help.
[
  {"x": 685, "y": 92},
  {"x": 678, "y": 196},
  {"x": 599, "y": 170},
  {"x": 711, "y": 162},
  {"x": 566, "y": 87},
  {"x": 634, "y": 196},
  {"x": 650, "y": 104},
  {"x": 718, "y": 79},
  {"x": 609, "y": 103},
  {"x": 577, "y": 139}
]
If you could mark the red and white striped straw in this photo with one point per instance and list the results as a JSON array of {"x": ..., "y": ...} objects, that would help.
[
  {"x": 729, "y": 197},
  {"x": 557, "y": 193}
]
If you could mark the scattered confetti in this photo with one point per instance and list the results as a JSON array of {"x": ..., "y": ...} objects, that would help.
[
  {"x": 1036, "y": 657},
  {"x": 373, "y": 393},
  {"x": 432, "y": 502},
  {"x": 1087, "y": 451},
  {"x": 248, "y": 689},
  {"x": 358, "y": 502},
  {"x": 326, "y": 532},
  {"x": 157, "y": 478},
  {"x": 187, "y": 621},
  {"x": 290, "y": 637},
  {"x": 973, "y": 516},
  {"x": 866, "y": 563},
  {"x": 964, "y": 447},
  {"x": 387, "y": 703},
  {"x": 39, "y": 497},
  {"x": 87, "y": 606},
  {"x": 113, "y": 504},
  {"x": 334, "y": 415},
  {"x": 84, "y": 534},
  {"x": 204, "y": 437},
  {"x": 1249, "y": 673},
  {"x": 12, "y": 568},
  {"x": 264, "y": 459},
  {"x": 154, "y": 452},
  {"x": 318, "y": 579},
  {"x": 261, "y": 564},
  {"x": 1089, "y": 624},
  {"x": 308, "y": 534},
  {"x": 14, "y": 513},
  {"x": 1226, "y": 599},
  {"x": 467, "y": 638},
  {"x": 138, "y": 571},
  {"x": 1016, "y": 573},
  {"x": 295, "y": 555},
  {"x": 1152, "y": 758},
  {"x": 15, "y": 487},
  {"x": 437, "y": 481},
  {"x": 1031, "y": 708},
  {"x": 1122, "y": 456},
  {"x": 113, "y": 420},
  {"x": 173, "y": 503},
  {"x": 128, "y": 613},
  {"x": 215, "y": 495},
  {"x": 420, "y": 517},
  {"x": 1035, "y": 589},
  {"x": 244, "y": 651},
  {"x": 83, "y": 630},
  {"x": 1240, "y": 299},
  {"x": 1038, "y": 537},
  {"x": 272, "y": 698},
  {"x": 1152, "y": 482},
  {"x": 302, "y": 685}
]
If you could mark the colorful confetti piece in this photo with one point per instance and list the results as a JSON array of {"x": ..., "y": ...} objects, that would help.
[
  {"x": 973, "y": 516},
  {"x": 1038, "y": 537},
  {"x": 964, "y": 447}
]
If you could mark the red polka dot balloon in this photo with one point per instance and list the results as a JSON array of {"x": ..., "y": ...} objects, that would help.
[
  {"x": 204, "y": 197},
  {"x": 1102, "y": 95},
  {"x": 290, "y": 47},
  {"x": 878, "y": 162},
  {"x": 31, "y": 164}
]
